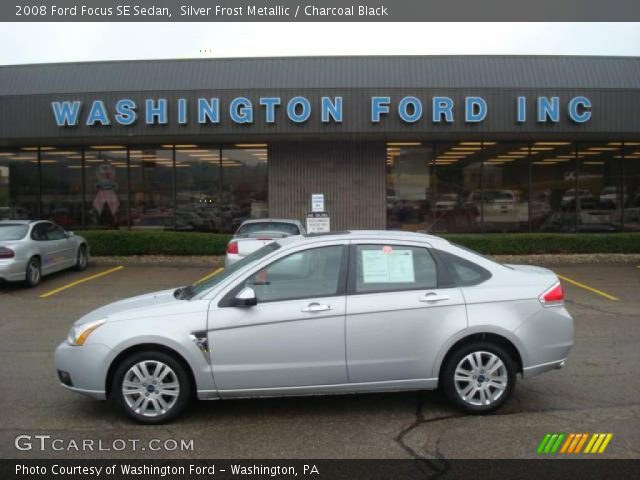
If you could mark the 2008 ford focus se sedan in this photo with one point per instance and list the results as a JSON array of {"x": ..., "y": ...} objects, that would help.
[{"x": 347, "y": 312}]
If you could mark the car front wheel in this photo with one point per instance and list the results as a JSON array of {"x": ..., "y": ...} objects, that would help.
[
  {"x": 151, "y": 387},
  {"x": 82, "y": 258},
  {"x": 479, "y": 377}
]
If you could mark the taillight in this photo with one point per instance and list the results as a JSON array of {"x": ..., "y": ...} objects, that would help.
[
  {"x": 6, "y": 252},
  {"x": 232, "y": 248},
  {"x": 264, "y": 239},
  {"x": 552, "y": 296}
]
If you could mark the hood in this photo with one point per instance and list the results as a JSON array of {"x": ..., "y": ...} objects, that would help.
[{"x": 150, "y": 302}]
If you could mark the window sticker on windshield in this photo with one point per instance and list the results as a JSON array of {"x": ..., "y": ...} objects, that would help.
[
  {"x": 387, "y": 249},
  {"x": 379, "y": 266}
]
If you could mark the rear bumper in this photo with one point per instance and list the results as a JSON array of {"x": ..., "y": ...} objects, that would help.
[
  {"x": 544, "y": 367},
  {"x": 231, "y": 258},
  {"x": 548, "y": 338},
  {"x": 13, "y": 270}
]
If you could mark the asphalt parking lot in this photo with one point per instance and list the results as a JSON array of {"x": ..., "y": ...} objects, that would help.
[{"x": 597, "y": 391}]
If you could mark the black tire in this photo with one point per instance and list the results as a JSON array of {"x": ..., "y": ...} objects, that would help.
[
  {"x": 33, "y": 274},
  {"x": 181, "y": 375},
  {"x": 448, "y": 384},
  {"x": 82, "y": 258}
]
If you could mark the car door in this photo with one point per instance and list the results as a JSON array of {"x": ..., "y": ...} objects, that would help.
[
  {"x": 293, "y": 337},
  {"x": 401, "y": 308},
  {"x": 59, "y": 245},
  {"x": 45, "y": 247}
]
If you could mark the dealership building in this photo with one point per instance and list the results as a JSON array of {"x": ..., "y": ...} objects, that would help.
[{"x": 437, "y": 144}]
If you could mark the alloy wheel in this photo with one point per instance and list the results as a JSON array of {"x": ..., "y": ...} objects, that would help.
[
  {"x": 34, "y": 272},
  {"x": 150, "y": 388},
  {"x": 480, "y": 378},
  {"x": 82, "y": 258}
]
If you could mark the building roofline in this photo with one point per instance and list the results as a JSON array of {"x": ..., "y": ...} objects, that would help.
[{"x": 323, "y": 57}]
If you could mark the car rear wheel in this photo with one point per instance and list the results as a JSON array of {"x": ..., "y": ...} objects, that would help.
[
  {"x": 151, "y": 387},
  {"x": 82, "y": 258},
  {"x": 33, "y": 275},
  {"x": 479, "y": 377}
]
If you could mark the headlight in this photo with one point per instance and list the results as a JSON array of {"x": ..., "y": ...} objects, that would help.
[{"x": 79, "y": 334}]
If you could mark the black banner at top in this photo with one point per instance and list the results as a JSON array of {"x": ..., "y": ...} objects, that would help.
[{"x": 319, "y": 11}]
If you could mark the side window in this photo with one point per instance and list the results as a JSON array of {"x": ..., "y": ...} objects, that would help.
[
  {"x": 311, "y": 273},
  {"x": 464, "y": 272},
  {"x": 383, "y": 268},
  {"x": 54, "y": 232},
  {"x": 39, "y": 232}
]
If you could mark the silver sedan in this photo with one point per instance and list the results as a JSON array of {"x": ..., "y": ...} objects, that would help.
[
  {"x": 31, "y": 249},
  {"x": 351, "y": 312}
]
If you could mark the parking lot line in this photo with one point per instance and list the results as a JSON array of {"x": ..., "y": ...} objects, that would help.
[
  {"x": 209, "y": 275},
  {"x": 82, "y": 280},
  {"x": 587, "y": 287}
]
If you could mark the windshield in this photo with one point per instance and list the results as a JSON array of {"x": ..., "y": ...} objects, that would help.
[
  {"x": 13, "y": 231},
  {"x": 255, "y": 228},
  {"x": 252, "y": 257}
]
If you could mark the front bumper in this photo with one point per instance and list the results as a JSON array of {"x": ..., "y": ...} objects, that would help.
[
  {"x": 85, "y": 366},
  {"x": 13, "y": 270}
]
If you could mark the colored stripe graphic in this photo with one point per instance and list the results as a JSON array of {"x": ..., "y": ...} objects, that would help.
[
  {"x": 573, "y": 443},
  {"x": 582, "y": 440},
  {"x": 550, "y": 443},
  {"x": 598, "y": 442},
  {"x": 568, "y": 442}
]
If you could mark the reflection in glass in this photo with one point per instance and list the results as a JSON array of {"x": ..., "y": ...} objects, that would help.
[
  {"x": 458, "y": 205},
  {"x": 505, "y": 199},
  {"x": 198, "y": 187},
  {"x": 18, "y": 184},
  {"x": 553, "y": 183},
  {"x": 244, "y": 186},
  {"x": 61, "y": 170},
  {"x": 105, "y": 186},
  {"x": 631, "y": 168},
  {"x": 152, "y": 190},
  {"x": 409, "y": 187},
  {"x": 600, "y": 187}
]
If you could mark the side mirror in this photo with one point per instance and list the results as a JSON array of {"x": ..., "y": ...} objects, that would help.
[
  {"x": 245, "y": 298},
  {"x": 69, "y": 234}
]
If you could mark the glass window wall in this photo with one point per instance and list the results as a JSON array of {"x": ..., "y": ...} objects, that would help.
[
  {"x": 409, "y": 186},
  {"x": 105, "y": 174},
  {"x": 19, "y": 184},
  {"x": 151, "y": 190},
  {"x": 458, "y": 201},
  {"x": 244, "y": 185},
  {"x": 198, "y": 187}
]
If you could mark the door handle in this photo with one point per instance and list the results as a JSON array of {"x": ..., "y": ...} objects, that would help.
[
  {"x": 316, "y": 307},
  {"x": 433, "y": 297}
]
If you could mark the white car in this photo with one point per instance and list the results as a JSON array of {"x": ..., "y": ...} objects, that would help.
[
  {"x": 255, "y": 234},
  {"x": 30, "y": 249}
]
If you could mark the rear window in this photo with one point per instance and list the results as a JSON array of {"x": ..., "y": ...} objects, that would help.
[
  {"x": 261, "y": 228},
  {"x": 463, "y": 272},
  {"x": 13, "y": 231}
]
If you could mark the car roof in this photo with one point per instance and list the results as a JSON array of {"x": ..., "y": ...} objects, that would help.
[
  {"x": 17, "y": 222},
  {"x": 365, "y": 235}
]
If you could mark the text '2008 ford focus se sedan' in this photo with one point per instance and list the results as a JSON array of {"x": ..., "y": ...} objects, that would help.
[{"x": 345, "y": 312}]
